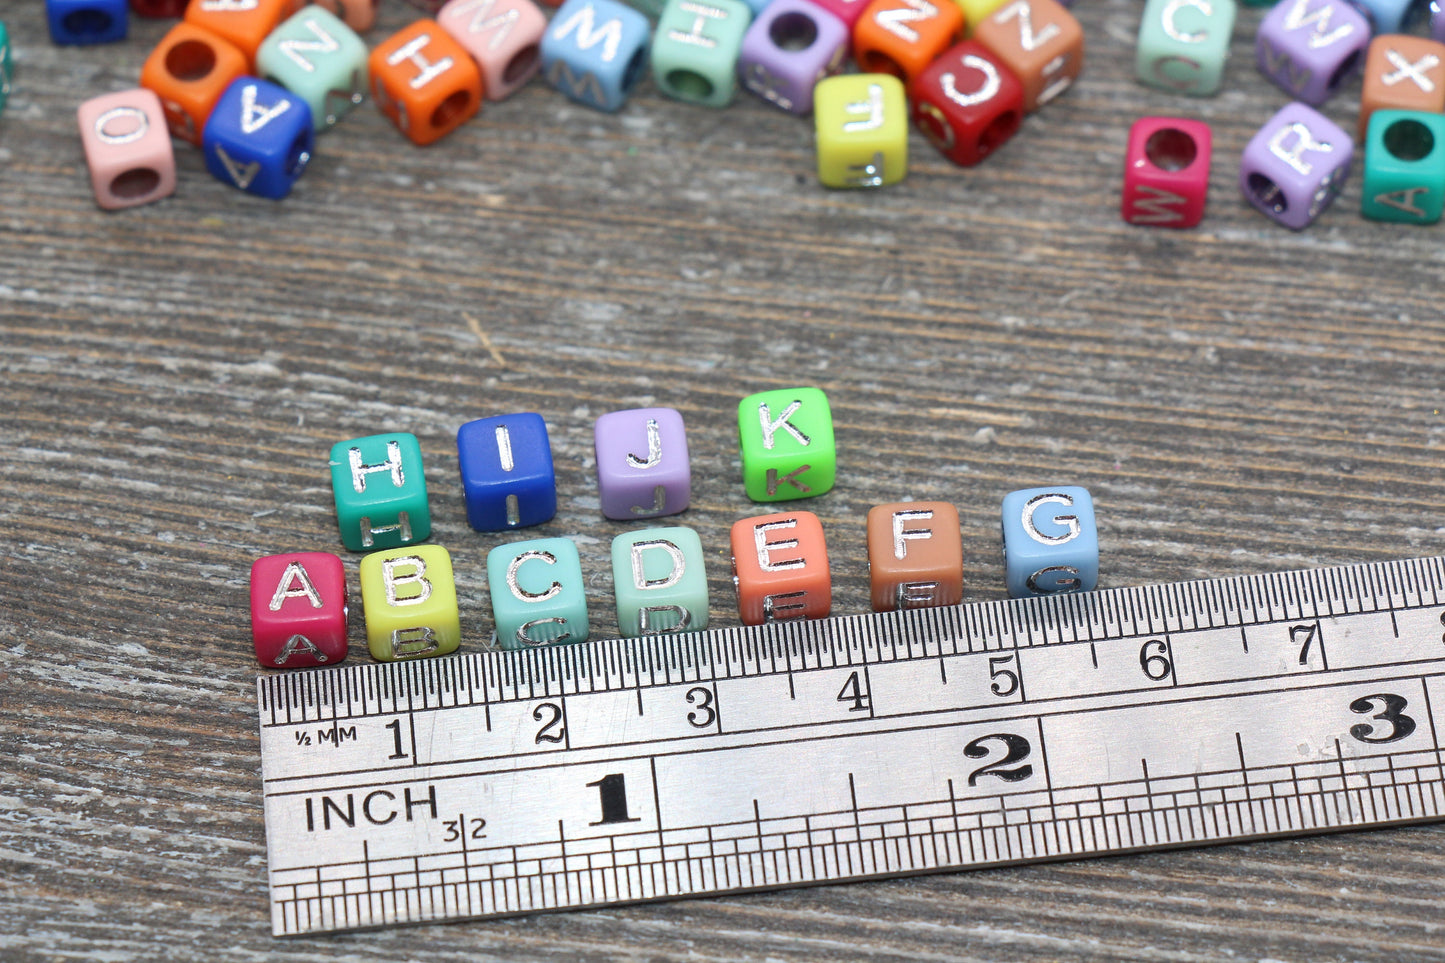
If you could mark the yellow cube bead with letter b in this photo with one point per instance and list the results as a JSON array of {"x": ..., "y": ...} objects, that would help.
[
  {"x": 410, "y": 598},
  {"x": 862, "y": 128}
]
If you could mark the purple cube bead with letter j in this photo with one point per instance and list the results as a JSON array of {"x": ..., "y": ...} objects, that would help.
[{"x": 643, "y": 469}]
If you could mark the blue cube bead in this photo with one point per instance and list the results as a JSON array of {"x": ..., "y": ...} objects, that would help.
[
  {"x": 1050, "y": 541},
  {"x": 595, "y": 51},
  {"x": 87, "y": 21},
  {"x": 259, "y": 138},
  {"x": 507, "y": 476},
  {"x": 538, "y": 595},
  {"x": 1392, "y": 16}
]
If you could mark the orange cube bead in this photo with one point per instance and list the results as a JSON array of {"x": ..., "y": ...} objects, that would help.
[
  {"x": 915, "y": 555},
  {"x": 244, "y": 23},
  {"x": 359, "y": 15},
  {"x": 1040, "y": 41},
  {"x": 189, "y": 70},
  {"x": 1402, "y": 73},
  {"x": 902, "y": 37},
  {"x": 780, "y": 567},
  {"x": 425, "y": 81}
]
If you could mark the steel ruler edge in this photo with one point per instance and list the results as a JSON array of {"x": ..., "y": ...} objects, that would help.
[{"x": 869, "y": 746}]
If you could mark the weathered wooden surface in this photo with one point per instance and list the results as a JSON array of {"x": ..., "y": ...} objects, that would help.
[{"x": 1238, "y": 398}]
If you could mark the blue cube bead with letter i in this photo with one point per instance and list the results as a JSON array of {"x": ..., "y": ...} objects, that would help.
[
  {"x": 508, "y": 479},
  {"x": 1050, "y": 541}
]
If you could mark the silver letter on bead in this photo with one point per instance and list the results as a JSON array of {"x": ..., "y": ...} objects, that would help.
[
  {"x": 1071, "y": 522},
  {"x": 390, "y": 580},
  {"x": 521, "y": 593},
  {"x": 763, "y": 546},
  {"x": 392, "y": 465},
  {"x": 901, "y": 535},
  {"x": 1294, "y": 155},
  {"x": 295, "y": 572}
]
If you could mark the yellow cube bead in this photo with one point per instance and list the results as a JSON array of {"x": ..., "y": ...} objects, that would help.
[
  {"x": 974, "y": 12},
  {"x": 862, "y": 128},
  {"x": 410, "y": 598}
]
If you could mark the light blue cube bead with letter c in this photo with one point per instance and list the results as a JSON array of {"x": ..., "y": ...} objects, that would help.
[
  {"x": 1050, "y": 541},
  {"x": 538, "y": 596}
]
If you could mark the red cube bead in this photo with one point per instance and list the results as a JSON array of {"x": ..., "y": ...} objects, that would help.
[
  {"x": 158, "y": 8},
  {"x": 967, "y": 103},
  {"x": 1166, "y": 172},
  {"x": 298, "y": 610}
]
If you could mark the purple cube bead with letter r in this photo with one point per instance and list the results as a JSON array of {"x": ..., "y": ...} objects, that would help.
[
  {"x": 1295, "y": 166},
  {"x": 642, "y": 464}
]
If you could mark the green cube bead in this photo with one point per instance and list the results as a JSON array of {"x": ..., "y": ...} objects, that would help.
[
  {"x": 695, "y": 50},
  {"x": 1404, "y": 167},
  {"x": 318, "y": 58},
  {"x": 380, "y": 492},
  {"x": 7, "y": 66},
  {"x": 652, "y": 9},
  {"x": 660, "y": 582},
  {"x": 538, "y": 596},
  {"x": 786, "y": 439},
  {"x": 1183, "y": 45}
]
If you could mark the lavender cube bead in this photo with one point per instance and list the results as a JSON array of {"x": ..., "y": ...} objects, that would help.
[
  {"x": 1310, "y": 47},
  {"x": 642, "y": 465},
  {"x": 1295, "y": 165},
  {"x": 791, "y": 46}
]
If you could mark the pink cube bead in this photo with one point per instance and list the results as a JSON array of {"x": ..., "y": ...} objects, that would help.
[
  {"x": 1166, "y": 172},
  {"x": 127, "y": 148},
  {"x": 504, "y": 37},
  {"x": 298, "y": 610},
  {"x": 643, "y": 469},
  {"x": 848, "y": 11}
]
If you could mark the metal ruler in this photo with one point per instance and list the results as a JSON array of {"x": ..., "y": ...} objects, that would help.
[{"x": 741, "y": 759}]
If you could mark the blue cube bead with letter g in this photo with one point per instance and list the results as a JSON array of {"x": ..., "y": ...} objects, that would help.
[{"x": 1050, "y": 541}]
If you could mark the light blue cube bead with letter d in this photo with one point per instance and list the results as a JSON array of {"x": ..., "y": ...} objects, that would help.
[
  {"x": 1050, "y": 541},
  {"x": 658, "y": 577},
  {"x": 595, "y": 51},
  {"x": 538, "y": 596}
]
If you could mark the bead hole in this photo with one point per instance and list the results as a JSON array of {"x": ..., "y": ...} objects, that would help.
[
  {"x": 299, "y": 155},
  {"x": 136, "y": 182},
  {"x": 190, "y": 60},
  {"x": 689, "y": 85},
  {"x": 1003, "y": 127},
  {"x": 1267, "y": 192},
  {"x": 1409, "y": 140},
  {"x": 793, "y": 31},
  {"x": 1170, "y": 149},
  {"x": 450, "y": 109},
  {"x": 635, "y": 66},
  {"x": 87, "y": 23},
  {"x": 1344, "y": 70},
  {"x": 518, "y": 66},
  {"x": 877, "y": 62}
]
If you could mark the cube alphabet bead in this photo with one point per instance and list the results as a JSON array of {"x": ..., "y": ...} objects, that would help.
[
  {"x": 787, "y": 446},
  {"x": 1392, "y": 16},
  {"x": 245, "y": 23},
  {"x": 1050, "y": 541},
  {"x": 321, "y": 60},
  {"x": 915, "y": 555},
  {"x": 974, "y": 11},
  {"x": 508, "y": 479},
  {"x": 298, "y": 610},
  {"x": 1402, "y": 73},
  {"x": 127, "y": 148},
  {"x": 861, "y": 126},
  {"x": 538, "y": 594},
  {"x": 189, "y": 70},
  {"x": 1309, "y": 48},
  {"x": 788, "y": 48},
  {"x": 643, "y": 469},
  {"x": 780, "y": 568},
  {"x": 259, "y": 138},
  {"x": 1183, "y": 45},
  {"x": 82, "y": 22},
  {"x": 1040, "y": 42},
  {"x": 504, "y": 37},
  {"x": 967, "y": 103},
  {"x": 410, "y": 599},
  {"x": 848, "y": 11},
  {"x": 380, "y": 492},
  {"x": 1295, "y": 166},
  {"x": 425, "y": 82},
  {"x": 660, "y": 583},
  {"x": 1404, "y": 167},
  {"x": 902, "y": 37},
  {"x": 595, "y": 51},
  {"x": 158, "y": 8},
  {"x": 695, "y": 50},
  {"x": 1166, "y": 172},
  {"x": 359, "y": 15}
]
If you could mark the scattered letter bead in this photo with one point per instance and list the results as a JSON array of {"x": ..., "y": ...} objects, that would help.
[
  {"x": 643, "y": 469},
  {"x": 1040, "y": 41},
  {"x": 915, "y": 555},
  {"x": 504, "y": 37},
  {"x": 259, "y": 138},
  {"x": 1050, "y": 542},
  {"x": 1166, "y": 172},
  {"x": 380, "y": 492},
  {"x": 425, "y": 82},
  {"x": 1392, "y": 16},
  {"x": 595, "y": 51},
  {"x": 1404, "y": 167},
  {"x": 974, "y": 11},
  {"x": 695, "y": 50},
  {"x": 538, "y": 594},
  {"x": 127, "y": 148},
  {"x": 1183, "y": 45},
  {"x": 359, "y": 15},
  {"x": 902, "y": 37},
  {"x": 659, "y": 581},
  {"x": 298, "y": 610},
  {"x": 1295, "y": 165},
  {"x": 791, "y": 46},
  {"x": 7, "y": 67},
  {"x": 507, "y": 475},
  {"x": 780, "y": 568},
  {"x": 318, "y": 58},
  {"x": 244, "y": 23},
  {"x": 786, "y": 440},
  {"x": 87, "y": 21},
  {"x": 189, "y": 70},
  {"x": 1402, "y": 73},
  {"x": 410, "y": 599},
  {"x": 861, "y": 122},
  {"x": 1310, "y": 47},
  {"x": 967, "y": 103},
  {"x": 848, "y": 11},
  {"x": 158, "y": 8}
]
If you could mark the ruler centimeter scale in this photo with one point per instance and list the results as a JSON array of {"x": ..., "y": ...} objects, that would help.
[{"x": 500, "y": 783}]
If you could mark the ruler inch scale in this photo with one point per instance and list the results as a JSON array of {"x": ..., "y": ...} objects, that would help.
[{"x": 861, "y": 747}]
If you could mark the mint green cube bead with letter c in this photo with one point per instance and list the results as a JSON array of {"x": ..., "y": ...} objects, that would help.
[
  {"x": 538, "y": 596},
  {"x": 1183, "y": 45}
]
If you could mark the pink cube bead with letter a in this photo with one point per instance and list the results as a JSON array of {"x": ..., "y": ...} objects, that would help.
[
  {"x": 298, "y": 610},
  {"x": 127, "y": 148}
]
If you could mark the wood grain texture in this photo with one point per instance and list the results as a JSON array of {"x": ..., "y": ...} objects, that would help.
[{"x": 1238, "y": 398}]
